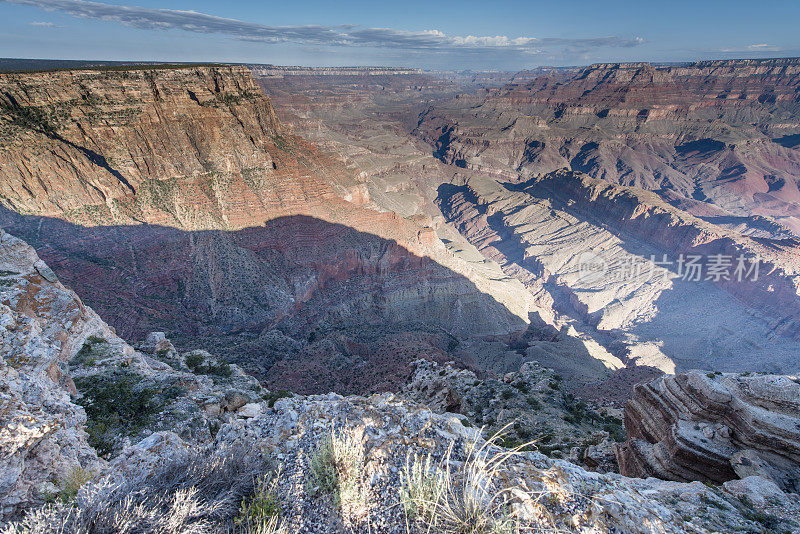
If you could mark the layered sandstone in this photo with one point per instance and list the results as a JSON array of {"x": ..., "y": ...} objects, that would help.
[{"x": 714, "y": 428}]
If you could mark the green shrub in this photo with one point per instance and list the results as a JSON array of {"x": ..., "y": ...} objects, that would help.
[
  {"x": 31, "y": 118},
  {"x": 262, "y": 508},
  {"x": 196, "y": 363},
  {"x": 194, "y": 360},
  {"x": 522, "y": 386},
  {"x": 115, "y": 406},
  {"x": 273, "y": 396},
  {"x": 74, "y": 481},
  {"x": 85, "y": 356}
]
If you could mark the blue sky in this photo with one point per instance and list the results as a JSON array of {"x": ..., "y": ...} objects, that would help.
[{"x": 506, "y": 35}]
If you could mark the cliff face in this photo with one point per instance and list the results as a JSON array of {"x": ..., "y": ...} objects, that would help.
[
  {"x": 725, "y": 132},
  {"x": 108, "y": 146},
  {"x": 176, "y": 192},
  {"x": 714, "y": 428}
]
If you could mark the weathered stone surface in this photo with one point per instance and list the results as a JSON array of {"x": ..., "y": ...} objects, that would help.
[
  {"x": 54, "y": 351},
  {"x": 543, "y": 494},
  {"x": 714, "y": 427},
  {"x": 42, "y": 325}
]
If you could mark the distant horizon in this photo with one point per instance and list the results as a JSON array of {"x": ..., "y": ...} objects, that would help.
[{"x": 100, "y": 63}]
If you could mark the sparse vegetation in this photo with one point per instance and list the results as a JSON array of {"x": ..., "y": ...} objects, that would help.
[
  {"x": 196, "y": 362},
  {"x": 260, "y": 513},
  {"x": 196, "y": 495},
  {"x": 459, "y": 500},
  {"x": 274, "y": 396},
  {"x": 337, "y": 465},
  {"x": 73, "y": 482},
  {"x": 33, "y": 118},
  {"x": 751, "y": 513}
]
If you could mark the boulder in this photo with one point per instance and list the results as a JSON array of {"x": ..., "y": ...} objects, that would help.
[{"x": 157, "y": 343}]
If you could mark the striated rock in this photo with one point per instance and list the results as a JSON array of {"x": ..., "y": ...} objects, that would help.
[{"x": 714, "y": 428}]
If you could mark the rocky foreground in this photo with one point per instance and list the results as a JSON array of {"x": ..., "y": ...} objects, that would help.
[{"x": 99, "y": 437}]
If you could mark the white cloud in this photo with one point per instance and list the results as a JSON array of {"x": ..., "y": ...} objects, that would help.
[
  {"x": 39, "y": 24},
  {"x": 350, "y": 35},
  {"x": 762, "y": 47}
]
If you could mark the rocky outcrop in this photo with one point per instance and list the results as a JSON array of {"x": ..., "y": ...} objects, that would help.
[
  {"x": 530, "y": 406},
  {"x": 714, "y": 428},
  {"x": 385, "y": 438},
  {"x": 59, "y": 360},
  {"x": 44, "y": 324}
]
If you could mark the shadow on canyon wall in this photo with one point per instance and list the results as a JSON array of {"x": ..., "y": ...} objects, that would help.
[{"x": 300, "y": 302}]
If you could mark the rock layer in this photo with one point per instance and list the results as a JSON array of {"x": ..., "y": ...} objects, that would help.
[{"x": 714, "y": 428}]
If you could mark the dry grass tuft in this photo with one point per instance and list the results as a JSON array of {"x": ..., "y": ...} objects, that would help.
[
  {"x": 337, "y": 467},
  {"x": 195, "y": 496},
  {"x": 450, "y": 497}
]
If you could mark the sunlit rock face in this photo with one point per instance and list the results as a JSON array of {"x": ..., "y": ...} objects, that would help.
[{"x": 543, "y": 229}]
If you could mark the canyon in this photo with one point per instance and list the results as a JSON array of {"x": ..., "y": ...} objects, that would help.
[
  {"x": 263, "y": 256},
  {"x": 325, "y": 228},
  {"x": 172, "y": 199},
  {"x": 471, "y": 166},
  {"x": 105, "y": 436}
]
